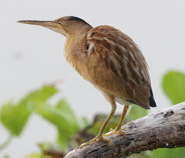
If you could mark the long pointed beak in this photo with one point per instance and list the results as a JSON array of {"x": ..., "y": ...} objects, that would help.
[
  {"x": 47, "y": 24},
  {"x": 53, "y": 25}
]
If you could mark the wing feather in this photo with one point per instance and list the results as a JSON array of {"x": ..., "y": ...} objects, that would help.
[{"x": 122, "y": 56}]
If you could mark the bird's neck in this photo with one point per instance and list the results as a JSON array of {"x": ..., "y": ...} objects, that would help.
[
  {"x": 74, "y": 47},
  {"x": 75, "y": 50},
  {"x": 76, "y": 39}
]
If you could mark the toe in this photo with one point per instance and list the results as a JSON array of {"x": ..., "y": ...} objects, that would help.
[
  {"x": 120, "y": 132},
  {"x": 99, "y": 138}
]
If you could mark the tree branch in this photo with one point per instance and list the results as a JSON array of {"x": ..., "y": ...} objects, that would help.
[{"x": 163, "y": 129}]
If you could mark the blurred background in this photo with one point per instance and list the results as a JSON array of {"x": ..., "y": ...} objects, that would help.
[{"x": 31, "y": 56}]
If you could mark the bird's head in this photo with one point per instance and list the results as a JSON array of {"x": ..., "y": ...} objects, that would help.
[{"x": 66, "y": 25}]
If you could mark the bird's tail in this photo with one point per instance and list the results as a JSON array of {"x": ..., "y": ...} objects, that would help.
[{"x": 151, "y": 99}]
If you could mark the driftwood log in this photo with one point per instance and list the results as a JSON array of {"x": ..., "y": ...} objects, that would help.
[{"x": 163, "y": 129}]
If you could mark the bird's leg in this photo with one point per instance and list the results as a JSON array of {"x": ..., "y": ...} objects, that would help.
[
  {"x": 99, "y": 135},
  {"x": 118, "y": 130},
  {"x": 125, "y": 109}
]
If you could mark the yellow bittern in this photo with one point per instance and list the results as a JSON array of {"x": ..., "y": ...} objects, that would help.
[{"x": 107, "y": 58}]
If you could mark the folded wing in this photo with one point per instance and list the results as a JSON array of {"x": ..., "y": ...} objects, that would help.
[{"x": 122, "y": 56}]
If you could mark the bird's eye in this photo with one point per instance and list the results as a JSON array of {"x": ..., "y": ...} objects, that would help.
[{"x": 60, "y": 24}]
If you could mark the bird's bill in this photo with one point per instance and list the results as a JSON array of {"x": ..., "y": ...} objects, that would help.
[
  {"x": 41, "y": 23},
  {"x": 53, "y": 25}
]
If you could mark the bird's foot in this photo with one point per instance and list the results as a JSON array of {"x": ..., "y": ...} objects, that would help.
[
  {"x": 97, "y": 138},
  {"x": 112, "y": 132}
]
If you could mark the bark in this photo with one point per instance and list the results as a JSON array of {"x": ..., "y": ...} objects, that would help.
[{"x": 163, "y": 129}]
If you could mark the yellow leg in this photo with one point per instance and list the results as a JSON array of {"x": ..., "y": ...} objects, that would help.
[
  {"x": 99, "y": 136},
  {"x": 118, "y": 130},
  {"x": 125, "y": 109},
  {"x": 106, "y": 121}
]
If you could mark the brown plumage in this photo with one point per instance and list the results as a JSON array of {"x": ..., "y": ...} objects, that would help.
[{"x": 107, "y": 58}]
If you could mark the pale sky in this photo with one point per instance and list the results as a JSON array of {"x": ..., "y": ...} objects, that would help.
[{"x": 31, "y": 56}]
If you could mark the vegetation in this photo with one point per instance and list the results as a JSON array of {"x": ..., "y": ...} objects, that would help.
[{"x": 73, "y": 131}]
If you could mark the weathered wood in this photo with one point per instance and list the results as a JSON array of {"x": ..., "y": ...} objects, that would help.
[{"x": 163, "y": 129}]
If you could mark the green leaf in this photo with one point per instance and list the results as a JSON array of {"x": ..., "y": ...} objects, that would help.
[
  {"x": 39, "y": 96},
  {"x": 169, "y": 153},
  {"x": 174, "y": 86},
  {"x": 142, "y": 154},
  {"x": 136, "y": 112},
  {"x": 14, "y": 117},
  {"x": 64, "y": 106},
  {"x": 62, "y": 117}
]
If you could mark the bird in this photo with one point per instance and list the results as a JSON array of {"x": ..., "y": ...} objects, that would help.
[{"x": 110, "y": 60}]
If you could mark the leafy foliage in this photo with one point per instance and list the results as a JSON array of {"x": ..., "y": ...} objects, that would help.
[
  {"x": 169, "y": 153},
  {"x": 62, "y": 117},
  {"x": 70, "y": 133},
  {"x": 14, "y": 117},
  {"x": 174, "y": 86}
]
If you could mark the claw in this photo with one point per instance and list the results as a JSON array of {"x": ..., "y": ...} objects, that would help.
[
  {"x": 119, "y": 132},
  {"x": 98, "y": 138}
]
